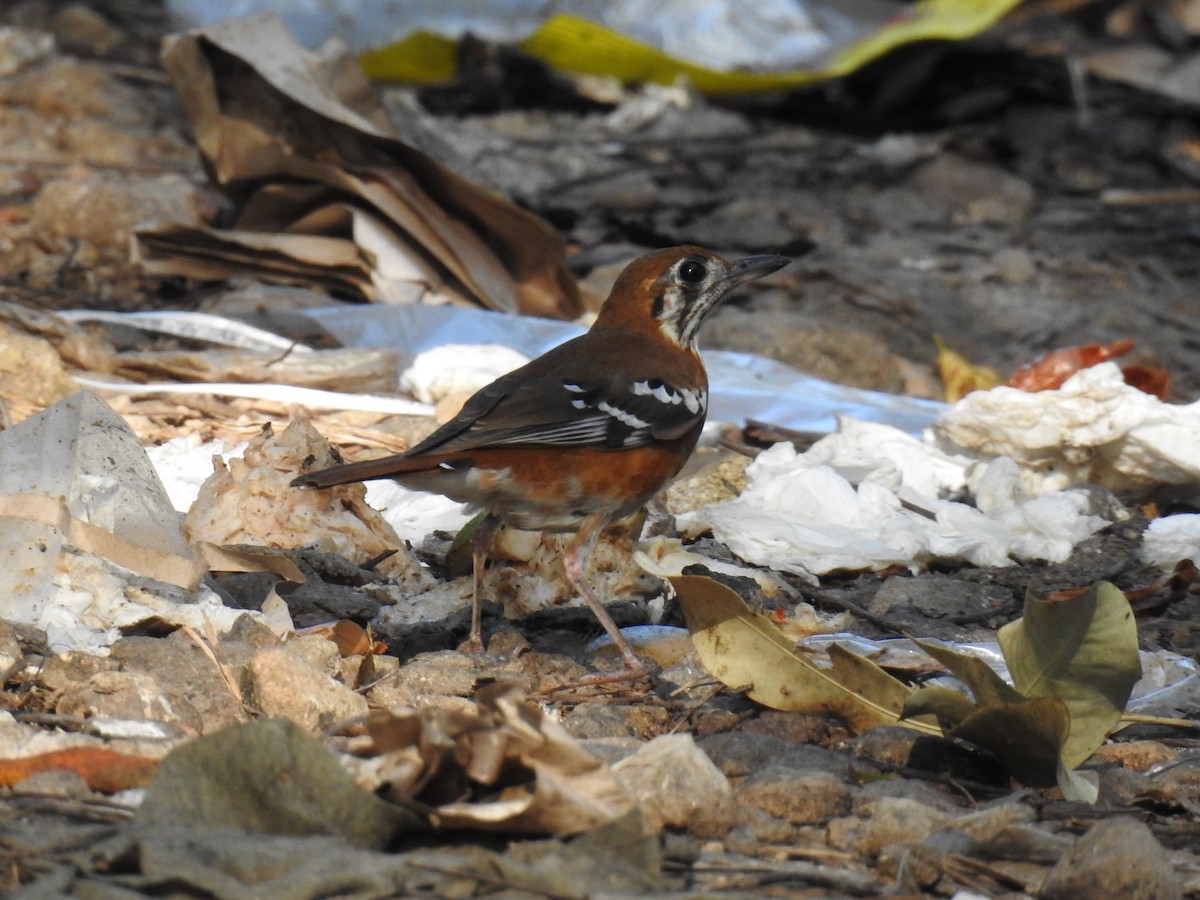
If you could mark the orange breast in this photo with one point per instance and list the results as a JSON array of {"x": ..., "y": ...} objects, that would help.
[{"x": 553, "y": 490}]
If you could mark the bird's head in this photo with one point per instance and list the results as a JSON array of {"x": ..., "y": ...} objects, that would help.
[{"x": 674, "y": 289}]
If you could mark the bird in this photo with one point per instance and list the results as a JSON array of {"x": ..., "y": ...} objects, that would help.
[{"x": 584, "y": 435}]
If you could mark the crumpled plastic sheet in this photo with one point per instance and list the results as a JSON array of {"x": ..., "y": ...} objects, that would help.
[
  {"x": 721, "y": 46},
  {"x": 741, "y": 386},
  {"x": 868, "y": 495},
  {"x": 717, "y": 33}
]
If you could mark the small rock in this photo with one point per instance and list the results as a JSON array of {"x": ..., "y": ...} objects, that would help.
[
  {"x": 128, "y": 695},
  {"x": 912, "y": 789},
  {"x": 248, "y": 631},
  {"x": 1136, "y": 755},
  {"x": 883, "y": 821},
  {"x": 20, "y": 47},
  {"x": 889, "y": 745},
  {"x": 65, "y": 783},
  {"x": 72, "y": 668},
  {"x": 1117, "y": 858},
  {"x": 677, "y": 786},
  {"x": 799, "y": 796},
  {"x": 78, "y": 27},
  {"x": 937, "y": 596},
  {"x": 11, "y": 654},
  {"x": 797, "y": 728},
  {"x": 103, "y": 209},
  {"x": 1122, "y": 787},
  {"x": 185, "y": 673},
  {"x": 439, "y": 676},
  {"x": 318, "y": 651},
  {"x": 740, "y": 753},
  {"x": 968, "y": 191},
  {"x": 761, "y": 827},
  {"x": 985, "y": 824},
  {"x": 1014, "y": 265},
  {"x": 281, "y": 684},
  {"x": 591, "y": 720}
]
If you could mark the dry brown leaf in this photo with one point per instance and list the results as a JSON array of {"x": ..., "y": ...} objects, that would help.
[
  {"x": 317, "y": 147},
  {"x": 250, "y": 559},
  {"x": 504, "y": 767}
]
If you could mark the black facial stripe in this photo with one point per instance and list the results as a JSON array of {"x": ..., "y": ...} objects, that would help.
[{"x": 660, "y": 303}]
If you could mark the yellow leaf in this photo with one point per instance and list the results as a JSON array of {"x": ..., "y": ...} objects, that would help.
[
  {"x": 746, "y": 651},
  {"x": 1082, "y": 651},
  {"x": 960, "y": 377}
]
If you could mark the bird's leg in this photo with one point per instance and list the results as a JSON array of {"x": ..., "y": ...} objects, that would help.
[
  {"x": 481, "y": 543},
  {"x": 575, "y": 559}
]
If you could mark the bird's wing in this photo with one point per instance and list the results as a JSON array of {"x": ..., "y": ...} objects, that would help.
[{"x": 569, "y": 410}]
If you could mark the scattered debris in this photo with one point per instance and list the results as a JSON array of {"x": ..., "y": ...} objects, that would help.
[{"x": 1017, "y": 194}]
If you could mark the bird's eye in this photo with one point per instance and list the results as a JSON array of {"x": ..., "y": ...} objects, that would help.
[{"x": 693, "y": 272}]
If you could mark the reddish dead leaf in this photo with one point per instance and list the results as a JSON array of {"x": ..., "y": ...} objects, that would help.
[
  {"x": 1050, "y": 371},
  {"x": 1148, "y": 379},
  {"x": 351, "y": 638},
  {"x": 13, "y": 215},
  {"x": 1176, "y": 585},
  {"x": 1065, "y": 595},
  {"x": 106, "y": 771}
]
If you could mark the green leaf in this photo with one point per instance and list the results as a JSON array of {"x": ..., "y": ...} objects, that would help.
[
  {"x": 1027, "y": 737},
  {"x": 986, "y": 686},
  {"x": 1081, "y": 651},
  {"x": 745, "y": 651},
  {"x": 950, "y": 707}
]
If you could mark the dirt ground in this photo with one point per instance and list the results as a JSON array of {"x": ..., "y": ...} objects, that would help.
[{"x": 974, "y": 193}]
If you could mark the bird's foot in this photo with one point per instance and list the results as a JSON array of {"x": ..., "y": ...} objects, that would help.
[{"x": 473, "y": 644}]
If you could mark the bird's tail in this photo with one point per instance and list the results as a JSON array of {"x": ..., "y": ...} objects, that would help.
[{"x": 366, "y": 470}]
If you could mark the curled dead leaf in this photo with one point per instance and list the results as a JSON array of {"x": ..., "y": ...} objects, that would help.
[
  {"x": 1051, "y": 370},
  {"x": 745, "y": 650},
  {"x": 504, "y": 766}
]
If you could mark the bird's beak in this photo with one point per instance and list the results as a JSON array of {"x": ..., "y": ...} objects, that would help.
[{"x": 752, "y": 267}]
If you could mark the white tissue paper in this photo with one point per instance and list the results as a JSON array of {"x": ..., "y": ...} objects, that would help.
[
  {"x": 842, "y": 506},
  {"x": 1168, "y": 540},
  {"x": 1094, "y": 429}
]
